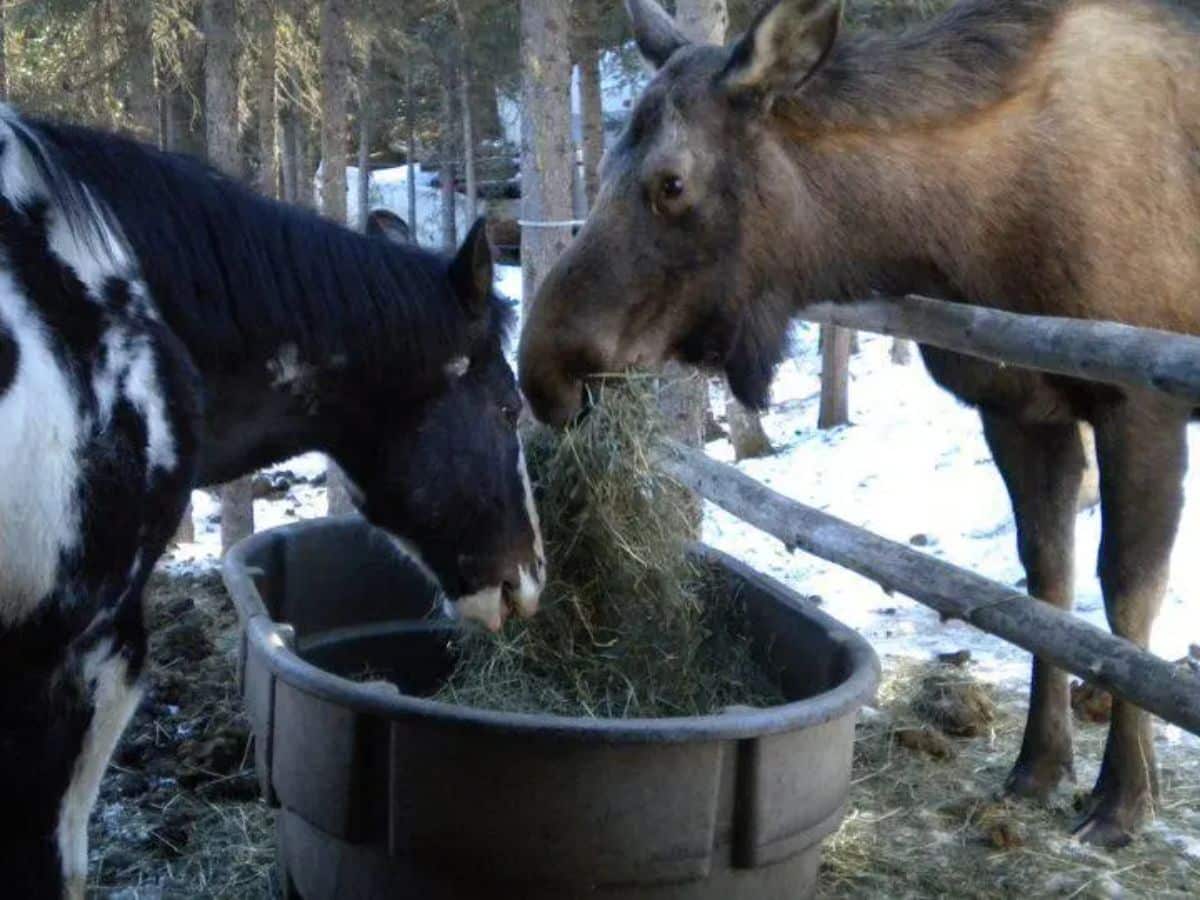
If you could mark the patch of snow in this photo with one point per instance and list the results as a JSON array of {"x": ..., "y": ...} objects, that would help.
[
  {"x": 389, "y": 190},
  {"x": 913, "y": 462}
]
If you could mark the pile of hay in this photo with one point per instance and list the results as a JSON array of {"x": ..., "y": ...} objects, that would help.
[{"x": 626, "y": 628}]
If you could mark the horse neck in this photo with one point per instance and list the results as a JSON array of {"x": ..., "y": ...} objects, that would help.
[{"x": 258, "y": 415}]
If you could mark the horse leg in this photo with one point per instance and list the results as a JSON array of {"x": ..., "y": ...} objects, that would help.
[
  {"x": 1042, "y": 466},
  {"x": 108, "y": 668},
  {"x": 1141, "y": 446}
]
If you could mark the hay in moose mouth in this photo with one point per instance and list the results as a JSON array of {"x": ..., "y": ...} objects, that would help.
[{"x": 626, "y": 628}]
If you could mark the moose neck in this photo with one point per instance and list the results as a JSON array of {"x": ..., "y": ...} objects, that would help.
[{"x": 915, "y": 154}]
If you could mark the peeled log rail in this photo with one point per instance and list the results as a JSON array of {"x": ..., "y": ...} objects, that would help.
[
  {"x": 1169, "y": 691},
  {"x": 1078, "y": 348}
]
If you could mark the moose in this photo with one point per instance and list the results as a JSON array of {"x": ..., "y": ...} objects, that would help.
[
  {"x": 1037, "y": 156},
  {"x": 162, "y": 327}
]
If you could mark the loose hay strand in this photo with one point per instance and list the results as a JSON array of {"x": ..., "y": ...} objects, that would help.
[{"x": 625, "y": 629}]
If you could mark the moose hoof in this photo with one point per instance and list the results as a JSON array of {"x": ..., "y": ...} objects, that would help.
[
  {"x": 1102, "y": 831},
  {"x": 1112, "y": 821},
  {"x": 1038, "y": 780}
]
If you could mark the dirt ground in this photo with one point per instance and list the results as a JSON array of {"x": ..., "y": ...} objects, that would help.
[{"x": 179, "y": 814}]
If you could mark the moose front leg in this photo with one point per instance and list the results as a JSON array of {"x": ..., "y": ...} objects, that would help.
[
  {"x": 1042, "y": 466},
  {"x": 1141, "y": 448}
]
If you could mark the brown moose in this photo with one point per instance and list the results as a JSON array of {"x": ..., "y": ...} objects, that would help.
[{"x": 1041, "y": 156}]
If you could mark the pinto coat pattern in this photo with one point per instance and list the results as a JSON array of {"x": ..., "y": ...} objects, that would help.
[
  {"x": 162, "y": 327},
  {"x": 1041, "y": 156}
]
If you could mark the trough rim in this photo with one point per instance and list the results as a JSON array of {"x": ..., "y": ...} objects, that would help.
[{"x": 272, "y": 641}]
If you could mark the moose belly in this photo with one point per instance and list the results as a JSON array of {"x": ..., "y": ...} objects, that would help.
[{"x": 1021, "y": 393}]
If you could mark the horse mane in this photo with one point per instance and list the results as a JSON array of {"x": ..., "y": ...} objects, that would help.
[
  {"x": 236, "y": 275},
  {"x": 961, "y": 61}
]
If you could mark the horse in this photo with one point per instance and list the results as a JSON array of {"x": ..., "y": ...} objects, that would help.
[
  {"x": 1038, "y": 156},
  {"x": 162, "y": 327},
  {"x": 385, "y": 223}
]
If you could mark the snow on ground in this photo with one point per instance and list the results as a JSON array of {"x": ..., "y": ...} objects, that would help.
[{"x": 912, "y": 466}]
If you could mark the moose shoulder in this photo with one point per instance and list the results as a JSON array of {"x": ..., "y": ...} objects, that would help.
[{"x": 1042, "y": 156}]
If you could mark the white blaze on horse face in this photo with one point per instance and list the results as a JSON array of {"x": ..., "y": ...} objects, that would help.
[
  {"x": 40, "y": 441},
  {"x": 114, "y": 699},
  {"x": 530, "y": 583},
  {"x": 485, "y": 607}
]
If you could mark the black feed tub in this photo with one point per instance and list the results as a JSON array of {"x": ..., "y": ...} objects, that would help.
[{"x": 388, "y": 795}]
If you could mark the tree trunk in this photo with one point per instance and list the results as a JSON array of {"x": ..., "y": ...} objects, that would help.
[
  {"x": 221, "y": 85},
  {"x": 3, "y": 52},
  {"x": 221, "y": 126},
  {"x": 468, "y": 141},
  {"x": 287, "y": 156},
  {"x": 306, "y": 161},
  {"x": 684, "y": 396},
  {"x": 704, "y": 21},
  {"x": 546, "y": 157},
  {"x": 902, "y": 351},
  {"x": 410, "y": 115},
  {"x": 449, "y": 144},
  {"x": 142, "y": 102},
  {"x": 293, "y": 143},
  {"x": 587, "y": 57},
  {"x": 184, "y": 115},
  {"x": 335, "y": 83},
  {"x": 468, "y": 115},
  {"x": 268, "y": 172},
  {"x": 835, "y": 377},
  {"x": 364, "y": 145}
]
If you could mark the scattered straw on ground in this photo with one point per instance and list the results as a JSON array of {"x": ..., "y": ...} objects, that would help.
[
  {"x": 623, "y": 631},
  {"x": 926, "y": 818}
]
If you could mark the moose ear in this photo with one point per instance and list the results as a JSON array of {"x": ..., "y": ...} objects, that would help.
[
  {"x": 786, "y": 44},
  {"x": 656, "y": 34},
  {"x": 471, "y": 270}
]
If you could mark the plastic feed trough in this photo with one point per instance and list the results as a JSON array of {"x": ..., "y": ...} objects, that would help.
[{"x": 383, "y": 794}]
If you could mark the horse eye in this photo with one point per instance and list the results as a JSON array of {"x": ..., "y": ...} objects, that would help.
[
  {"x": 511, "y": 413},
  {"x": 671, "y": 187}
]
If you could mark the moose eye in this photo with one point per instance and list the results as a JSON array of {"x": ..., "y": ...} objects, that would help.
[{"x": 667, "y": 192}]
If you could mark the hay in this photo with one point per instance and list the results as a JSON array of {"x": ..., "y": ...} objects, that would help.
[
  {"x": 623, "y": 630},
  {"x": 921, "y": 824}
]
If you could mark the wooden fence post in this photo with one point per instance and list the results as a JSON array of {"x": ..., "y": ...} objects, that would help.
[{"x": 835, "y": 377}]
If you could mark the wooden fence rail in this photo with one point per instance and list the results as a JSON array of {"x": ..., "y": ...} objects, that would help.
[
  {"x": 1165, "y": 689},
  {"x": 1096, "y": 351}
]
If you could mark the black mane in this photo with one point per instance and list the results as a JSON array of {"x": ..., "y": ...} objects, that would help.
[{"x": 236, "y": 275}]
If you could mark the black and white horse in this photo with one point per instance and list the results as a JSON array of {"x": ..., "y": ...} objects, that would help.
[{"x": 162, "y": 327}]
